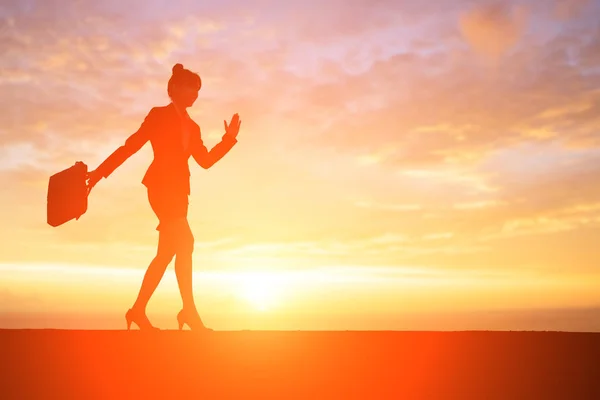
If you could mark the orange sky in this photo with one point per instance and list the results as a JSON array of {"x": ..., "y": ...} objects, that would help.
[{"x": 393, "y": 158}]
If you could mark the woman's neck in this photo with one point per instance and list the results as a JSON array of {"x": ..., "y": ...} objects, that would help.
[{"x": 180, "y": 109}]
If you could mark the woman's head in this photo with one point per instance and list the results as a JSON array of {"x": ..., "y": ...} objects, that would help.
[{"x": 183, "y": 86}]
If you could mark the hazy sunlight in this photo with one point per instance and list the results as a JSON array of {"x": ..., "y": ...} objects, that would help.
[{"x": 259, "y": 290}]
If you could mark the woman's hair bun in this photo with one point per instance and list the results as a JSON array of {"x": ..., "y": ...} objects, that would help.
[{"x": 177, "y": 68}]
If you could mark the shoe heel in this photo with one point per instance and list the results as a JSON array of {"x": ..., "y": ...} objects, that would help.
[
  {"x": 192, "y": 320},
  {"x": 128, "y": 321},
  {"x": 140, "y": 320},
  {"x": 180, "y": 321}
]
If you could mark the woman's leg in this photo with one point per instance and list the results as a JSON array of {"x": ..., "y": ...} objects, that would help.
[
  {"x": 183, "y": 264},
  {"x": 157, "y": 268}
]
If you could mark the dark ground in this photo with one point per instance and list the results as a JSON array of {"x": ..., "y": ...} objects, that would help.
[{"x": 62, "y": 364}]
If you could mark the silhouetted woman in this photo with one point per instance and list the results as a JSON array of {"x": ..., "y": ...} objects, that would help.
[{"x": 174, "y": 137}]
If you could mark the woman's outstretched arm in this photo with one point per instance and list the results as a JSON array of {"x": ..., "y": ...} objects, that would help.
[
  {"x": 131, "y": 146},
  {"x": 207, "y": 159}
]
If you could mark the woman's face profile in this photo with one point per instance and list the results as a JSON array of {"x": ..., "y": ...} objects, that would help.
[{"x": 185, "y": 95}]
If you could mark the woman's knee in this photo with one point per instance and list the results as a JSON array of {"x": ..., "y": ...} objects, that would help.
[
  {"x": 164, "y": 256},
  {"x": 182, "y": 236},
  {"x": 186, "y": 244},
  {"x": 177, "y": 235}
]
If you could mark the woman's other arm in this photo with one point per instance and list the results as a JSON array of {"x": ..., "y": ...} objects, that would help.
[{"x": 118, "y": 157}]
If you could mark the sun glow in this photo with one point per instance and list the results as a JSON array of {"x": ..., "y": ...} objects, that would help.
[{"x": 260, "y": 290}]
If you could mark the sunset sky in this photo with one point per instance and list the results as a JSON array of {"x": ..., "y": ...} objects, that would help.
[{"x": 397, "y": 160}]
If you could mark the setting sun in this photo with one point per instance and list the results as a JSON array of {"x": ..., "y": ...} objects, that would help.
[{"x": 259, "y": 290}]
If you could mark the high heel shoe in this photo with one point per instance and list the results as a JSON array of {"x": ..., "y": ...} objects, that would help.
[
  {"x": 191, "y": 319},
  {"x": 140, "y": 319}
]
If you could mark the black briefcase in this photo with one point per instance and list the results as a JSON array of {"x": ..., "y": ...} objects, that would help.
[{"x": 67, "y": 194}]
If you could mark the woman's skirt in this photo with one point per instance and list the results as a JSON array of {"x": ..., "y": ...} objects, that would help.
[{"x": 168, "y": 205}]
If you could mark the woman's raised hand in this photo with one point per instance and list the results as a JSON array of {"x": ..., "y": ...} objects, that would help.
[{"x": 233, "y": 128}]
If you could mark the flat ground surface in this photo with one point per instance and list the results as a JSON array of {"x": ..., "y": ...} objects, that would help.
[{"x": 63, "y": 364}]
